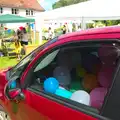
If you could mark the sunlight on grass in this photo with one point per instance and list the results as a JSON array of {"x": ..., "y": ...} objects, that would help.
[{"x": 7, "y": 62}]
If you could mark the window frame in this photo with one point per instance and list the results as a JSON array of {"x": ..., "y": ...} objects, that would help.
[
  {"x": 14, "y": 11},
  {"x": 113, "y": 98},
  {"x": 1, "y": 10},
  {"x": 60, "y": 99},
  {"x": 29, "y": 12}
]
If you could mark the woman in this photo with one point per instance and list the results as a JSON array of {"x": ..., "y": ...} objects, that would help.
[
  {"x": 24, "y": 40},
  {"x": 17, "y": 47},
  {"x": 64, "y": 29},
  {"x": 50, "y": 33}
]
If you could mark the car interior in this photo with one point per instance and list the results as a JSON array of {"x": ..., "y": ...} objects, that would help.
[{"x": 79, "y": 70}]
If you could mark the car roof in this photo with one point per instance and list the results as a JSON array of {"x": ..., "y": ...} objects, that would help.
[{"x": 92, "y": 31}]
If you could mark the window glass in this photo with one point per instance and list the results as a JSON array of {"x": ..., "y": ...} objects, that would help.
[
  {"x": 80, "y": 74},
  {"x": 32, "y": 13},
  {"x": 21, "y": 66},
  {"x": 29, "y": 12},
  {"x": 46, "y": 61},
  {"x": 14, "y": 11}
]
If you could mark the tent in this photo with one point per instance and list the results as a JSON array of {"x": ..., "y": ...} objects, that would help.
[
  {"x": 7, "y": 18},
  {"x": 90, "y": 10},
  {"x": 85, "y": 11}
]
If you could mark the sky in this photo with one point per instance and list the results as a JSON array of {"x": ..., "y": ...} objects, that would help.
[{"x": 47, "y": 4}]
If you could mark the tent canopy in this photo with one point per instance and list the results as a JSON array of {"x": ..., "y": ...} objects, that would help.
[
  {"x": 7, "y": 18},
  {"x": 90, "y": 10}
]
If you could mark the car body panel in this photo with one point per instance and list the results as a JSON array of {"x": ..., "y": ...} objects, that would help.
[{"x": 46, "y": 109}]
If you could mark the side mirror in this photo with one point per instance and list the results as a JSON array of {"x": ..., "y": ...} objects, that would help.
[{"x": 13, "y": 91}]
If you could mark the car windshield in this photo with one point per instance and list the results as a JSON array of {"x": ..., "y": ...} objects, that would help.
[{"x": 21, "y": 66}]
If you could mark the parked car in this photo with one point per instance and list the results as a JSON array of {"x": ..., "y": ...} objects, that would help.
[{"x": 28, "y": 100}]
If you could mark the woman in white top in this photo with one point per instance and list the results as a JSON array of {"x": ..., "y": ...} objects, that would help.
[
  {"x": 24, "y": 40},
  {"x": 50, "y": 33}
]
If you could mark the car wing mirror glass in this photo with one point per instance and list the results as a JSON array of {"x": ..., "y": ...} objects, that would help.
[{"x": 13, "y": 91}]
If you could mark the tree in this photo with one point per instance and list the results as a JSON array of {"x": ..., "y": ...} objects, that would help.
[
  {"x": 109, "y": 22},
  {"x": 63, "y": 3}
]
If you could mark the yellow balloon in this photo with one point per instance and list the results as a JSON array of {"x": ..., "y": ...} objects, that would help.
[{"x": 80, "y": 71}]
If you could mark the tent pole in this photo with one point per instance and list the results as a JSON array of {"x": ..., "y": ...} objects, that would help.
[
  {"x": 34, "y": 33},
  {"x": 83, "y": 24}
]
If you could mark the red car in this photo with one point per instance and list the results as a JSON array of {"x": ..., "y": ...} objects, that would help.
[{"x": 29, "y": 101}]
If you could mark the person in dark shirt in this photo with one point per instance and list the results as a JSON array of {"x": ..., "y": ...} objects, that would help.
[
  {"x": 64, "y": 29},
  {"x": 19, "y": 34}
]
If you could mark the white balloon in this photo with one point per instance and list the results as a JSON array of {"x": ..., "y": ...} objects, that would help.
[{"x": 81, "y": 97}]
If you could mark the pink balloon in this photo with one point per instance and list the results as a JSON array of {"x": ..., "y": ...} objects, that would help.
[
  {"x": 108, "y": 54},
  {"x": 105, "y": 76},
  {"x": 97, "y": 96}
]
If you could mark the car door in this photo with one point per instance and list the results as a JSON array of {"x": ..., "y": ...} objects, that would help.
[{"x": 39, "y": 105}]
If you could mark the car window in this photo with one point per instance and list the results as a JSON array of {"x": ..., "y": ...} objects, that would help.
[
  {"x": 79, "y": 75},
  {"x": 46, "y": 61},
  {"x": 20, "y": 67}
]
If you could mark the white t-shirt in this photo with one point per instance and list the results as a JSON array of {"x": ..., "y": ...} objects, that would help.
[{"x": 25, "y": 37}]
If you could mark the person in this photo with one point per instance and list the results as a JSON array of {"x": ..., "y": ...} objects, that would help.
[
  {"x": 64, "y": 29},
  {"x": 19, "y": 34},
  {"x": 17, "y": 46},
  {"x": 24, "y": 40},
  {"x": 50, "y": 33},
  {"x": 79, "y": 29}
]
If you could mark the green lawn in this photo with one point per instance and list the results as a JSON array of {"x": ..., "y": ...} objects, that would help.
[{"x": 8, "y": 62}]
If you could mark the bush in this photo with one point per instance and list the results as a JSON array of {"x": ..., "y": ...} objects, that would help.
[{"x": 45, "y": 30}]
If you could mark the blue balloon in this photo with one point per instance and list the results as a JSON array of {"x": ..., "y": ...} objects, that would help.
[
  {"x": 13, "y": 84},
  {"x": 63, "y": 93},
  {"x": 9, "y": 31},
  {"x": 51, "y": 85}
]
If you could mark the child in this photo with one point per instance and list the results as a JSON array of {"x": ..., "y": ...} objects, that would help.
[{"x": 17, "y": 47}]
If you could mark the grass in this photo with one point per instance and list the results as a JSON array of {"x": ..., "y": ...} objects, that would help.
[
  {"x": 9, "y": 62},
  {"x": 6, "y": 62}
]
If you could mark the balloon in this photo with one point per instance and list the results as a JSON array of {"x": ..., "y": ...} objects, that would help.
[
  {"x": 51, "y": 85},
  {"x": 80, "y": 71},
  {"x": 108, "y": 54},
  {"x": 81, "y": 97},
  {"x": 63, "y": 93},
  {"x": 90, "y": 82},
  {"x": 105, "y": 76},
  {"x": 97, "y": 96},
  {"x": 76, "y": 85},
  {"x": 9, "y": 31},
  {"x": 89, "y": 63},
  {"x": 12, "y": 84},
  {"x": 62, "y": 74}
]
